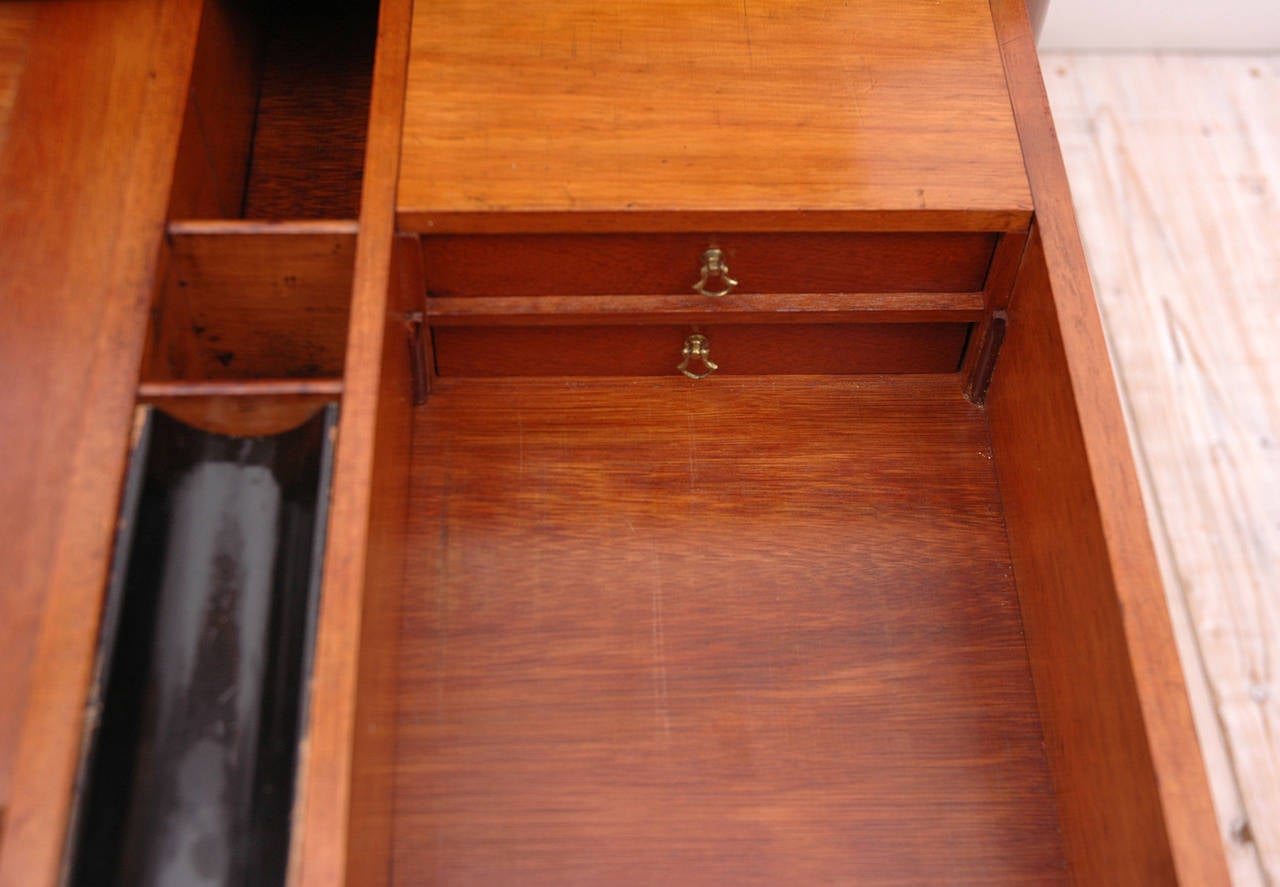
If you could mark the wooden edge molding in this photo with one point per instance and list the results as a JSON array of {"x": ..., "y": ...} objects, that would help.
[
  {"x": 1108, "y": 826},
  {"x": 330, "y": 845},
  {"x": 639, "y": 222}
]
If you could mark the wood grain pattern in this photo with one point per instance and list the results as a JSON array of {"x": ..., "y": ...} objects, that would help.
[
  {"x": 267, "y": 302},
  {"x": 17, "y": 19},
  {"x": 1176, "y": 181},
  {"x": 671, "y": 109},
  {"x": 80, "y": 237},
  {"x": 313, "y": 110},
  {"x": 1134, "y": 799},
  {"x": 733, "y": 632},
  {"x": 342, "y": 818},
  {"x": 617, "y": 265},
  {"x": 738, "y": 349},
  {"x": 242, "y": 409},
  {"x": 217, "y": 129},
  {"x": 790, "y": 308}
]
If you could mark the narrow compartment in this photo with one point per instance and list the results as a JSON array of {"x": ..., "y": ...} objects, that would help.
[
  {"x": 278, "y": 111},
  {"x": 736, "y": 631},
  {"x": 261, "y": 302},
  {"x": 200, "y": 683}
]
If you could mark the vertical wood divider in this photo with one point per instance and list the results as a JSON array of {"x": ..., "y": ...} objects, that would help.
[
  {"x": 342, "y": 821},
  {"x": 1130, "y": 782}
]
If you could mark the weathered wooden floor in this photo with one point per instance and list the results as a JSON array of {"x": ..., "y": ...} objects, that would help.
[{"x": 1175, "y": 167}]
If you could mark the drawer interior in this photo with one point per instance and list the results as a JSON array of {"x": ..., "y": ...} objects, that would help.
[{"x": 751, "y": 630}]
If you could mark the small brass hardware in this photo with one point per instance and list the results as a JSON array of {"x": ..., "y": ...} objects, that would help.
[
  {"x": 713, "y": 265},
  {"x": 696, "y": 347}
]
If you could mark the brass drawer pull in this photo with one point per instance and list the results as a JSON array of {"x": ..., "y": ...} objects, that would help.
[
  {"x": 697, "y": 347},
  {"x": 713, "y": 265}
]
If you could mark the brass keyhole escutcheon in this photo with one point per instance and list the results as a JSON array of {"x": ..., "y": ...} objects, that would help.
[
  {"x": 697, "y": 347},
  {"x": 714, "y": 266}
]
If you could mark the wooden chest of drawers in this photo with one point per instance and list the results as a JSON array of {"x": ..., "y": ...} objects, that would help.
[{"x": 864, "y": 596}]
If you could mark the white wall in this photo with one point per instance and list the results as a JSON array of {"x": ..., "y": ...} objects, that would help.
[{"x": 1214, "y": 25}]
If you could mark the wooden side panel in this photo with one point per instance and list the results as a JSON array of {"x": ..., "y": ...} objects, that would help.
[
  {"x": 85, "y": 176},
  {"x": 342, "y": 817},
  {"x": 1133, "y": 795}
]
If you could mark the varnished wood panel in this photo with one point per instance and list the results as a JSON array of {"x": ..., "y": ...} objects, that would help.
[
  {"x": 601, "y": 264},
  {"x": 738, "y": 307},
  {"x": 738, "y": 349},
  {"x": 253, "y": 301},
  {"x": 85, "y": 175},
  {"x": 670, "y": 109},
  {"x": 16, "y": 22},
  {"x": 1177, "y": 185},
  {"x": 1135, "y": 802},
  {"x": 731, "y": 632}
]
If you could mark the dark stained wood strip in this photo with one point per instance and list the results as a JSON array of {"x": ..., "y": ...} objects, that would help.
[
  {"x": 753, "y": 632},
  {"x": 745, "y": 308}
]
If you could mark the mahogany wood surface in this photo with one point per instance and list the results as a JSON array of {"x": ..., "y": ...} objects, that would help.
[
  {"x": 342, "y": 817},
  {"x": 614, "y": 264},
  {"x": 85, "y": 174},
  {"x": 256, "y": 302},
  {"x": 16, "y": 22},
  {"x": 738, "y": 631},
  {"x": 738, "y": 349},
  {"x": 1135, "y": 803},
  {"x": 659, "y": 111},
  {"x": 313, "y": 110},
  {"x": 788, "y": 308},
  {"x": 217, "y": 129}
]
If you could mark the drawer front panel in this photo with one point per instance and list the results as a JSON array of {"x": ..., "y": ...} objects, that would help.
[
  {"x": 738, "y": 349},
  {"x": 660, "y": 264}
]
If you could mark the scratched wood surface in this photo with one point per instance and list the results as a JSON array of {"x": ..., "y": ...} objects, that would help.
[
  {"x": 1175, "y": 169},
  {"x": 736, "y": 631},
  {"x": 647, "y": 111}
]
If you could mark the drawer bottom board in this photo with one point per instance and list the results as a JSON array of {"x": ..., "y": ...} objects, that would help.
[{"x": 744, "y": 631}]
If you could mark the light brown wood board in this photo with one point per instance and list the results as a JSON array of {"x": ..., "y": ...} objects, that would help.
[{"x": 668, "y": 115}]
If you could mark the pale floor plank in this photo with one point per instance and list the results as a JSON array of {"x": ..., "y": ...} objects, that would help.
[{"x": 1175, "y": 168}]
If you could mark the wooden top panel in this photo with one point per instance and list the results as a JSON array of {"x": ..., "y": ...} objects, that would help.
[
  {"x": 726, "y": 632},
  {"x": 667, "y": 112}
]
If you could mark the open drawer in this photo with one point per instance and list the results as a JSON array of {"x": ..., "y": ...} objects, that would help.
[{"x": 874, "y": 602}]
